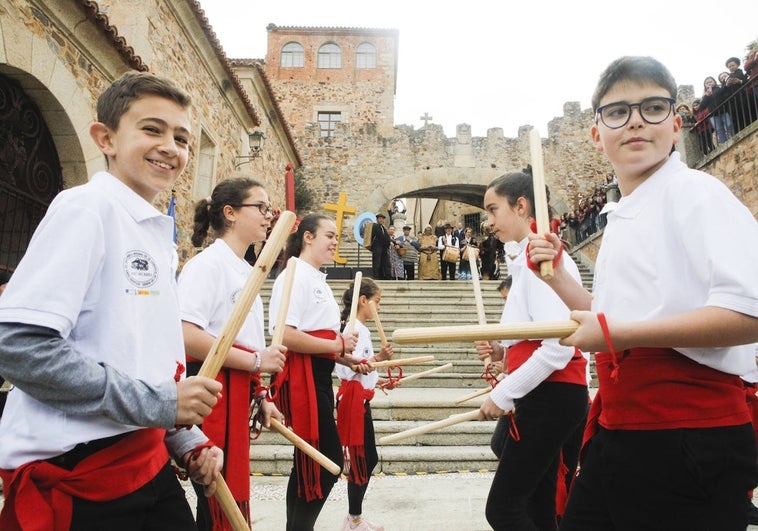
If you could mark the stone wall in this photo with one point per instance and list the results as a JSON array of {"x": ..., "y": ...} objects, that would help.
[
  {"x": 65, "y": 59},
  {"x": 363, "y": 95}
]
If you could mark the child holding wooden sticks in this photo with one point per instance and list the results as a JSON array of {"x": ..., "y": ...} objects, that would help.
[
  {"x": 673, "y": 319},
  {"x": 546, "y": 382},
  {"x": 354, "y": 421},
  {"x": 91, "y": 339},
  {"x": 239, "y": 213},
  {"x": 303, "y": 391}
]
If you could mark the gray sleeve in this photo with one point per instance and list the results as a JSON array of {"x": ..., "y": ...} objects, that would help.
[
  {"x": 180, "y": 441},
  {"x": 42, "y": 364}
]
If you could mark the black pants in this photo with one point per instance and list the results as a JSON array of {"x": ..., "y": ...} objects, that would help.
[
  {"x": 522, "y": 496},
  {"x": 302, "y": 514},
  {"x": 410, "y": 268},
  {"x": 159, "y": 505},
  {"x": 679, "y": 479},
  {"x": 447, "y": 266},
  {"x": 355, "y": 492}
]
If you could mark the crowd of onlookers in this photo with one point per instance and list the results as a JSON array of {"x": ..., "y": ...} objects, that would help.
[{"x": 728, "y": 104}]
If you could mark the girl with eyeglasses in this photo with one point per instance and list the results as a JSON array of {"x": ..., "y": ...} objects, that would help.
[{"x": 209, "y": 284}]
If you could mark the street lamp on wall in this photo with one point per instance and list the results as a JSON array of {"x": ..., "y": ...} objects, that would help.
[{"x": 255, "y": 141}]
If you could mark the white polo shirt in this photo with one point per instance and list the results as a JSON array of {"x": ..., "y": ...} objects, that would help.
[
  {"x": 312, "y": 305},
  {"x": 209, "y": 286},
  {"x": 531, "y": 300},
  {"x": 363, "y": 349},
  {"x": 100, "y": 269},
  {"x": 679, "y": 242}
]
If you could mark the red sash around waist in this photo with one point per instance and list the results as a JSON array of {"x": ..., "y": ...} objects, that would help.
[
  {"x": 39, "y": 494},
  {"x": 575, "y": 371},
  {"x": 351, "y": 410},
  {"x": 294, "y": 394},
  {"x": 662, "y": 389}
]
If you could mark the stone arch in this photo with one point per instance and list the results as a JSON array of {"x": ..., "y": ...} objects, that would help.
[
  {"x": 465, "y": 185},
  {"x": 66, "y": 108},
  {"x": 51, "y": 149}
]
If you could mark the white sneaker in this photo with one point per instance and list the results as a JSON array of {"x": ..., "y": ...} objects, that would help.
[{"x": 363, "y": 525}]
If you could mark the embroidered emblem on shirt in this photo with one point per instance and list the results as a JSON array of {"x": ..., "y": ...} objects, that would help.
[{"x": 140, "y": 269}]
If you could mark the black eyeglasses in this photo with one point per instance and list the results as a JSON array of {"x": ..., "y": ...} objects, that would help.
[
  {"x": 263, "y": 208},
  {"x": 652, "y": 110}
]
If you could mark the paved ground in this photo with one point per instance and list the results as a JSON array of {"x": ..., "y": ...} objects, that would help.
[
  {"x": 450, "y": 501},
  {"x": 439, "y": 502}
]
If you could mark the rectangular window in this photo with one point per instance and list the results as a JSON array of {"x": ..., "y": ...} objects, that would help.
[
  {"x": 327, "y": 121},
  {"x": 474, "y": 222},
  {"x": 206, "y": 161}
]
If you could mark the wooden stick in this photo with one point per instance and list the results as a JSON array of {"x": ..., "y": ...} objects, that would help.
[
  {"x": 540, "y": 195},
  {"x": 399, "y": 362},
  {"x": 447, "y": 334},
  {"x": 309, "y": 450},
  {"x": 350, "y": 328},
  {"x": 284, "y": 302},
  {"x": 229, "y": 506},
  {"x": 475, "y": 394},
  {"x": 220, "y": 348},
  {"x": 481, "y": 316},
  {"x": 375, "y": 316},
  {"x": 421, "y": 374},
  {"x": 433, "y": 426},
  {"x": 223, "y": 343}
]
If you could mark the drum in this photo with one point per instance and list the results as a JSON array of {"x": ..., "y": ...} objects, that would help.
[{"x": 451, "y": 254}]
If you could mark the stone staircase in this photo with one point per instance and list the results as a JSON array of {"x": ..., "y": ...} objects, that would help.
[{"x": 406, "y": 304}]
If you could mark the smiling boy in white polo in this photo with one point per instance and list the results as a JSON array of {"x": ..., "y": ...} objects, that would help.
[{"x": 90, "y": 336}]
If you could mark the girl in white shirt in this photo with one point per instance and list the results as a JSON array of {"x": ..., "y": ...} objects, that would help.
[
  {"x": 354, "y": 421},
  {"x": 239, "y": 213},
  {"x": 546, "y": 383},
  {"x": 303, "y": 391}
]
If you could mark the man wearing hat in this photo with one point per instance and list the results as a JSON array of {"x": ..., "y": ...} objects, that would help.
[
  {"x": 447, "y": 240},
  {"x": 380, "y": 249}
]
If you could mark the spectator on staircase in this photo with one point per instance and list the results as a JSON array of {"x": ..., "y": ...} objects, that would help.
[
  {"x": 429, "y": 256},
  {"x": 410, "y": 258}
]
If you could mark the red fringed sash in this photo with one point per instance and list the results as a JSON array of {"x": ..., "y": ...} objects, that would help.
[
  {"x": 38, "y": 495},
  {"x": 294, "y": 394},
  {"x": 350, "y": 426},
  {"x": 227, "y": 426}
]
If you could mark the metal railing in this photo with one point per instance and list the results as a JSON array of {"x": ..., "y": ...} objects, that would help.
[{"x": 20, "y": 213}]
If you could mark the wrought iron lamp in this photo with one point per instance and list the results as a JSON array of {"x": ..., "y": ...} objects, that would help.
[{"x": 255, "y": 141}]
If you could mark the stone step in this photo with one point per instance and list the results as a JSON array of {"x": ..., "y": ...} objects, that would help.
[
  {"x": 266, "y": 459},
  {"x": 465, "y": 446},
  {"x": 458, "y": 447}
]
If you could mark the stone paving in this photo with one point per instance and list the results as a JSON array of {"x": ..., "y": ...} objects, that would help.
[{"x": 439, "y": 502}]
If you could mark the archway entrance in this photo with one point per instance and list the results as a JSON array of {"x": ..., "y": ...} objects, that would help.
[{"x": 30, "y": 171}]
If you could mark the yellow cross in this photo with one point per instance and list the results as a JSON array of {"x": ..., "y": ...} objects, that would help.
[{"x": 341, "y": 210}]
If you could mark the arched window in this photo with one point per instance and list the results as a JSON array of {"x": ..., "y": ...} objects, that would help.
[
  {"x": 365, "y": 55},
  {"x": 293, "y": 55},
  {"x": 330, "y": 56}
]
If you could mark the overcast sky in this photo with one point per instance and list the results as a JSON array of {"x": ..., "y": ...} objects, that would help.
[{"x": 490, "y": 64}]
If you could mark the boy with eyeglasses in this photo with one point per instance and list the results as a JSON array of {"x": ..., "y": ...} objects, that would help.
[{"x": 669, "y": 443}]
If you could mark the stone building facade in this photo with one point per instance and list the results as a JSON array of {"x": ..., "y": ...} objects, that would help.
[
  {"x": 57, "y": 57},
  {"x": 373, "y": 163}
]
